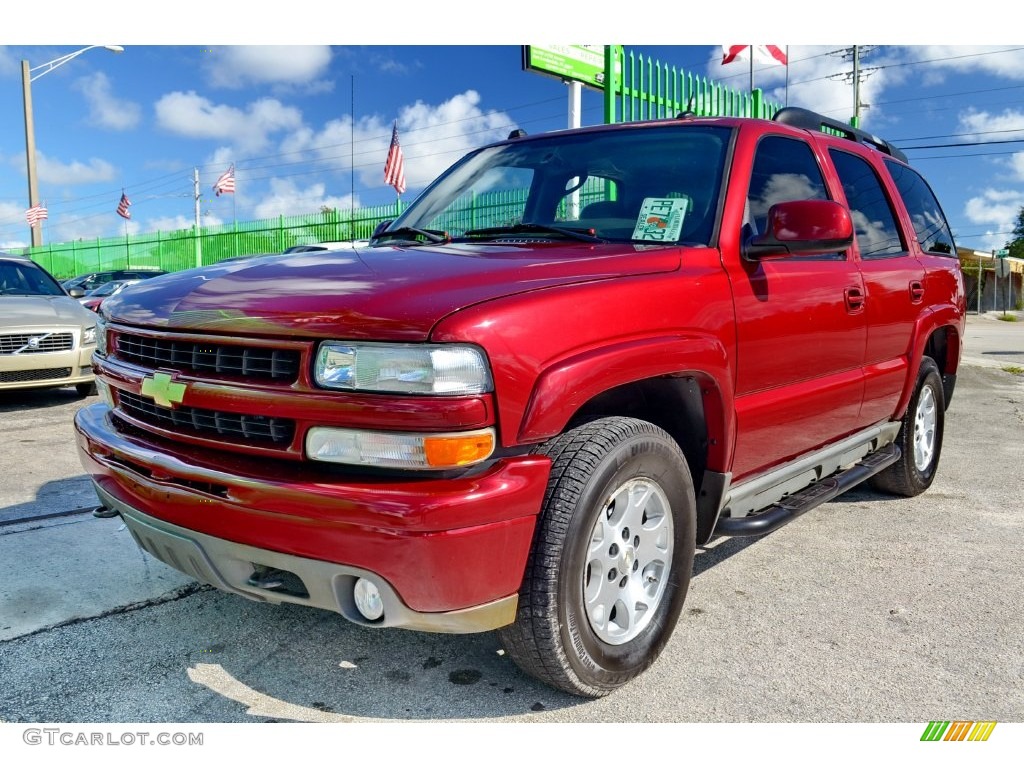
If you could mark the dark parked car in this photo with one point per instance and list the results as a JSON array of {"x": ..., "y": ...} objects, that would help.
[
  {"x": 95, "y": 297},
  {"x": 89, "y": 282}
]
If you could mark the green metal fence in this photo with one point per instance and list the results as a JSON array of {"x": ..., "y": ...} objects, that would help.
[
  {"x": 641, "y": 89},
  {"x": 176, "y": 250}
]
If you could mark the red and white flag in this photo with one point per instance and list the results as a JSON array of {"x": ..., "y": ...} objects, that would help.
[
  {"x": 226, "y": 182},
  {"x": 764, "y": 54},
  {"x": 394, "y": 166},
  {"x": 36, "y": 214},
  {"x": 122, "y": 207}
]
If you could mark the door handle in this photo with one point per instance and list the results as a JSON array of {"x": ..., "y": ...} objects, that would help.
[
  {"x": 916, "y": 292},
  {"x": 854, "y": 299}
]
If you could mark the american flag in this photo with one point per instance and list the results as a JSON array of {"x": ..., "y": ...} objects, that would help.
[
  {"x": 764, "y": 54},
  {"x": 122, "y": 207},
  {"x": 36, "y": 214},
  {"x": 394, "y": 166},
  {"x": 226, "y": 182}
]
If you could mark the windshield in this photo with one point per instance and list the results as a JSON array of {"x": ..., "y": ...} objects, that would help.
[
  {"x": 648, "y": 184},
  {"x": 26, "y": 279}
]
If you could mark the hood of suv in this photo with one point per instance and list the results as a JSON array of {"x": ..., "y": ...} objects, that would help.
[{"x": 387, "y": 293}]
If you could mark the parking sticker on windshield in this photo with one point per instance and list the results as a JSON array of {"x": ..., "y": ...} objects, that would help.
[{"x": 661, "y": 218}]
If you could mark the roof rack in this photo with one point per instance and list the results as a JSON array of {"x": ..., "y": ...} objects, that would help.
[{"x": 805, "y": 118}]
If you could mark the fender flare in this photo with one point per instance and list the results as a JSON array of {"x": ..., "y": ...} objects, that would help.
[
  {"x": 566, "y": 385},
  {"x": 934, "y": 321}
]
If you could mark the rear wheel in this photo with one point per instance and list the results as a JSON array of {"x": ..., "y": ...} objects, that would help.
[
  {"x": 919, "y": 438},
  {"x": 611, "y": 558}
]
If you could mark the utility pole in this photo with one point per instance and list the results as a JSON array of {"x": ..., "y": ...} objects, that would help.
[
  {"x": 856, "y": 87},
  {"x": 199, "y": 239},
  {"x": 980, "y": 273},
  {"x": 859, "y": 73}
]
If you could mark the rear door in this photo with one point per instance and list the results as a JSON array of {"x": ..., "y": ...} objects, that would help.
[{"x": 893, "y": 282}]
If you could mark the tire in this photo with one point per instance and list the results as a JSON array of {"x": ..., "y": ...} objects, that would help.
[
  {"x": 86, "y": 389},
  {"x": 919, "y": 438},
  {"x": 598, "y": 603}
]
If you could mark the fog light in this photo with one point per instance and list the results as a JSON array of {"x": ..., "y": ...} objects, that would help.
[{"x": 368, "y": 601}]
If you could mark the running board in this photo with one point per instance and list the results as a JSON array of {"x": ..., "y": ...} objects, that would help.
[{"x": 774, "y": 517}]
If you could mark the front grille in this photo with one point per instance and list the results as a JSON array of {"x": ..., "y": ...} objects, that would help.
[
  {"x": 261, "y": 363},
  {"x": 222, "y": 425},
  {"x": 40, "y": 374},
  {"x": 22, "y": 343}
]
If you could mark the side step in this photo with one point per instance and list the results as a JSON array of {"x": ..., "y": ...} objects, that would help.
[{"x": 774, "y": 517}]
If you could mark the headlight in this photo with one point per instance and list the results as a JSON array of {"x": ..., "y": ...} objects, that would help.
[
  {"x": 89, "y": 336},
  {"x": 430, "y": 369},
  {"x": 100, "y": 336}
]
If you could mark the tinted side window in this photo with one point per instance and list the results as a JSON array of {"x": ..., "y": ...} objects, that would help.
[
  {"x": 784, "y": 169},
  {"x": 875, "y": 225},
  {"x": 932, "y": 229}
]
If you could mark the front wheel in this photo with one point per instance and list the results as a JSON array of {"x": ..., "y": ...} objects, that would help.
[
  {"x": 919, "y": 438},
  {"x": 611, "y": 559}
]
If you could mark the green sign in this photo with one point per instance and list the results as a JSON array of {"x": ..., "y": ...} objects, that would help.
[
  {"x": 1002, "y": 253},
  {"x": 584, "y": 63}
]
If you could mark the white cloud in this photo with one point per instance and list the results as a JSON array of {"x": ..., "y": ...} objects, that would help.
[
  {"x": 433, "y": 136},
  {"x": 236, "y": 66},
  {"x": 52, "y": 171},
  {"x": 287, "y": 199},
  {"x": 1016, "y": 163},
  {"x": 249, "y": 129},
  {"x": 999, "y": 60},
  {"x": 997, "y": 210},
  {"x": 985, "y": 126},
  {"x": 105, "y": 109},
  {"x": 9, "y": 64},
  {"x": 12, "y": 216}
]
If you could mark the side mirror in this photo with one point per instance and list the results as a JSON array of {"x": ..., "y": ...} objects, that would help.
[
  {"x": 803, "y": 228},
  {"x": 76, "y": 293}
]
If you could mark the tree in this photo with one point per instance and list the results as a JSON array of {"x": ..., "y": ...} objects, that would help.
[{"x": 1016, "y": 245}]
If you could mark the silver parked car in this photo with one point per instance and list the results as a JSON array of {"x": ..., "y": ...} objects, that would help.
[{"x": 46, "y": 337}]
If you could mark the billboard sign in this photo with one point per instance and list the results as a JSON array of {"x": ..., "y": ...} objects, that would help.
[{"x": 584, "y": 63}]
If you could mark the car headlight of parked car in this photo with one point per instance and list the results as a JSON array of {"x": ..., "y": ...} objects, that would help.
[{"x": 100, "y": 336}]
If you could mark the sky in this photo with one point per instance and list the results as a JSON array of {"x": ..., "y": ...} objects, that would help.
[{"x": 307, "y": 122}]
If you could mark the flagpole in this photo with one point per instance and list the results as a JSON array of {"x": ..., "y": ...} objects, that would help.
[
  {"x": 198, "y": 224},
  {"x": 352, "y": 165},
  {"x": 127, "y": 248},
  {"x": 787, "y": 75}
]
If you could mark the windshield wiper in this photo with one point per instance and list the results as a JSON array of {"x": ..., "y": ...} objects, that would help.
[
  {"x": 431, "y": 235},
  {"x": 586, "y": 235}
]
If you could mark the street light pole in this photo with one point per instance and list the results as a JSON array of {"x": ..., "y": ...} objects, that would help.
[
  {"x": 27, "y": 77},
  {"x": 30, "y": 150}
]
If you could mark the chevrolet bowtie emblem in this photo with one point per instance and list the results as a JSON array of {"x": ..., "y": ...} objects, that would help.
[{"x": 164, "y": 392}]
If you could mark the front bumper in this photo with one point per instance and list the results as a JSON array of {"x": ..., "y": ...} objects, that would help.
[{"x": 448, "y": 554}]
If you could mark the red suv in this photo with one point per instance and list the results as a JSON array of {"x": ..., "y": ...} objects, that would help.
[{"x": 575, "y": 357}]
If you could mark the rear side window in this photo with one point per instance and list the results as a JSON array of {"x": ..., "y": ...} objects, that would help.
[
  {"x": 930, "y": 224},
  {"x": 878, "y": 236}
]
